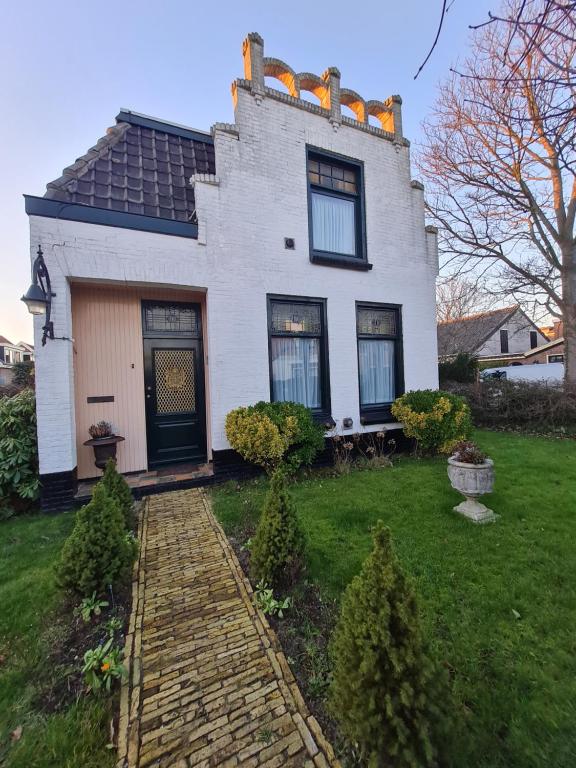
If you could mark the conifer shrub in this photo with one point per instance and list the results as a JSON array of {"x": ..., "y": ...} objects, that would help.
[
  {"x": 277, "y": 549},
  {"x": 118, "y": 488},
  {"x": 437, "y": 420},
  {"x": 99, "y": 551},
  {"x": 386, "y": 693}
]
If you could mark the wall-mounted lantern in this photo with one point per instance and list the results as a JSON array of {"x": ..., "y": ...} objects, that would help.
[{"x": 38, "y": 298}]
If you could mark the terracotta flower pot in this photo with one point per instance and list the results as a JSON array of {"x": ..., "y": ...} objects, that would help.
[
  {"x": 104, "y": 449},
  {"x": 472, "y": 481}
]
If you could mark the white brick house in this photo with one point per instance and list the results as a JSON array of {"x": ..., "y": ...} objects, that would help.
[{"x": 292, "y": 263}]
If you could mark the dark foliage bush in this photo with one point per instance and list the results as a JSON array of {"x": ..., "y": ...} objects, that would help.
[
  {"x": 306, "y": 437},
  {"x": 23, "y": 374},
  {"x": 530, "y": 406},
  {"x": 463, "y": 368},
  {"x": 99, "y": 551},
  {"x": 19, "y": 482},
  {"x": 387, "y": 695},
  {"x": 119, "y": 489},
  {"x": 277, "y": 549}
]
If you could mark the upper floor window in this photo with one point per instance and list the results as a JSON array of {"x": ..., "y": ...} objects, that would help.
[
  {"x": 336, "y": 210},
  {"x": 503, "y": 341},
  {"x": 533, "y": 339},
  {"x": 555, "y": 358},
  {"x": 299, "y": 352}
]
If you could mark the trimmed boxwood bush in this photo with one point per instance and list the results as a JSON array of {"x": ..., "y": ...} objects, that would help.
[
  {"x": 386, "y": 694},
  {"x": 277, "y": 550},
  {"x": 99, "y": 551},
  {"x": 19, "y": 482},
  {"x": 436, "y": 420},
  {"x": 270, "y": 434}
]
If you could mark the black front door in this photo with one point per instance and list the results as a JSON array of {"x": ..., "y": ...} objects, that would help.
[{"x": 174, "y": 383}]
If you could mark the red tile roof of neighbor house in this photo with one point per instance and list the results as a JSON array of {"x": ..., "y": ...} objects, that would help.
[
  {"x": 141, "y": 166},
  {"x": 467, "y": 334}
]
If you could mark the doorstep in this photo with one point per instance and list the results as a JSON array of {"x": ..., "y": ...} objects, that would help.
[{"x": 174, "y": 477}]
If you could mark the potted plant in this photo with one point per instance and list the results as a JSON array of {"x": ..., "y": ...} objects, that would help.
[
  {"x": 471, "y": 473},
  {"x": 104, "y": 442}
]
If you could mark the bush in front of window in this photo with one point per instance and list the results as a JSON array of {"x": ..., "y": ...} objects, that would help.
[
  {"x": 387, "y": 694},
  {"x": 270, "y": 434},
  {"x": 436, "y": 420},
  {"x": 277, "y": 549}
]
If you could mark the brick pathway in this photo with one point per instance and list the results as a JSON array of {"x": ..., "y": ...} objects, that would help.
[{"x": 208, "y": 684}]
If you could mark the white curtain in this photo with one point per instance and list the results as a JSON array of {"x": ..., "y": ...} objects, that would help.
[
  {"x": 333, "y": 224},
  {"x": 296, "y": 370},
  {"x": 376, "y": 359}
]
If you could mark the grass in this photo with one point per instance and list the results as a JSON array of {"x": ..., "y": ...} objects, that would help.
[
  {"x": 71, "y": 736},
  {"x": 498, "y": 602}
]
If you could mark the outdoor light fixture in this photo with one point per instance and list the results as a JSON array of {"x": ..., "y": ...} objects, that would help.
[{"x": 38, "y": 298}]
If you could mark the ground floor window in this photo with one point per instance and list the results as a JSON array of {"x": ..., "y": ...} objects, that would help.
[
  {"x": 299, "y": 352},
  {"x": 379, "y": 359},
  {"x": 555, "y": 358}
]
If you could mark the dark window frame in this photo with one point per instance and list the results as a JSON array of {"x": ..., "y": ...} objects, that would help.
[
  {"x": 327, "y": 258},
  {"x": 533, "y": 339},
  {"x": 322, "y": 414},
  {"x": 504, "y": 341},
  {"x": 381, "y": 413},
  {"x": 558, "y": 354}
]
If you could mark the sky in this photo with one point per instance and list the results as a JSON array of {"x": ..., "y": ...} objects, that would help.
[{"x": 66, "y": 68}]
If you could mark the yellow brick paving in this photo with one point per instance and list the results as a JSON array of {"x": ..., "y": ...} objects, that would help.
[{"x": 208, "y": 684}]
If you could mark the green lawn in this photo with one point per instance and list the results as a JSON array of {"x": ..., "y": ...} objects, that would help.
[
  {"x": 498, "y": 601},
  {"x": 74, "y": 736}
]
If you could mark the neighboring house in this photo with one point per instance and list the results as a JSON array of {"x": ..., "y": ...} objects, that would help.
[
  {"x": 552, "y": 352},
  {"x": 501, "y": 335},
  {"x": 27, "y": 352},
  {"x": 283, "y": 257},
  {"x": 12, "y": 353}
]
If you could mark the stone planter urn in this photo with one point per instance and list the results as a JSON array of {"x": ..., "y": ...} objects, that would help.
[
  {"x": 473, "y": 481},
  {"x": 104, "y": 449}
]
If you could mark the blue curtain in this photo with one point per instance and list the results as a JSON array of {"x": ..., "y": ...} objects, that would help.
[
  {"x": 333, "y": 224},
  {"x": 376, "y": 359},
  {"x": 296, "y": 370}
]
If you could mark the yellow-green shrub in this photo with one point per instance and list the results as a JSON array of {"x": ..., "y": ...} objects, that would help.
[
  {"x": 255, "y": 437},
  {"x": 270, "y": 434},
  {"x": 436, "y": 420}
]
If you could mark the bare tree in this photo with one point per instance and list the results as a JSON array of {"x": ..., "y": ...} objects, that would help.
[
  {"x": 500, "y": 159},
  {"x": 458, "y": 297}
]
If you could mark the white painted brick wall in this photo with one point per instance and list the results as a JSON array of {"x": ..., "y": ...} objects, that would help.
[{"x": 240, "y": 257}]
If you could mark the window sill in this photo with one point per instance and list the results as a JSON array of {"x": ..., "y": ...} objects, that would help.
[
  {"x": 377, "y": 416},
  {"x": 325, "y": 419},
  {"x": 336, "y": 260}
]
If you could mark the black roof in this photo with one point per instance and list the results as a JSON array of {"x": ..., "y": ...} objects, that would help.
[{"x": 141, "y": 166}]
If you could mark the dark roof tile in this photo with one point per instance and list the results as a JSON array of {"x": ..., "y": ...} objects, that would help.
[{"x": 141, "y": 166}]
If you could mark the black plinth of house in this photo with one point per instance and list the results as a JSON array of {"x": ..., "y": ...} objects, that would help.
[{"x": 57, "y": 490}]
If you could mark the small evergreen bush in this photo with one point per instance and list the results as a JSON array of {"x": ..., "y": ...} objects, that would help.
[
  {"x": 277, "y": 548},
  {"x": 119, "y": 489},
  {"x": 270, "y": 434},
  {"x": 437, "y": 420},
  {"x": 99, "y": 551},
  {"x": 463, "y": 369},
  {"x": 23, "y": 374},
  {"x": 385, "y": 693},
  {"x": 19, "y": 481}
]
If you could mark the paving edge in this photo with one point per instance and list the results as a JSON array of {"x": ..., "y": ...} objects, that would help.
[{"x": 318, "y": 746}]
